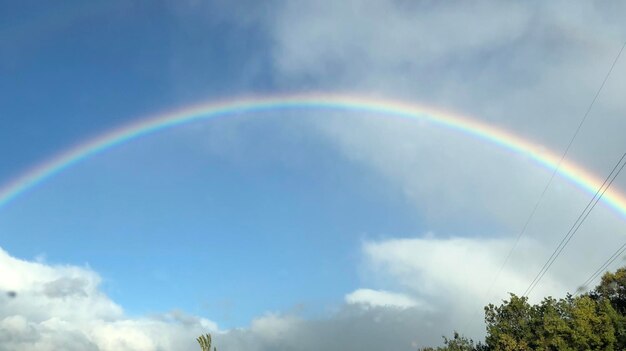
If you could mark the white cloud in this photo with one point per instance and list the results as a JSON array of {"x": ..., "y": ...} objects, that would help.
[
  {"x": 444, "y": 283},
  {"x": 274, "y": 326},
  {"x": 380, "y": 298},
  {"x": 61, "y": 307},
  {"x": 457, "y": 276},
  {"x": 438, "y": 269},
  {"x": 350, "y": 328}
]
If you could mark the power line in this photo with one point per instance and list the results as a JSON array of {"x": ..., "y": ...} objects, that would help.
[
  {"x": 602, "y": 268},
  {"x": 583, "y": 216},
  {"x": 565, "y": 152},
  {"x": 619, "y": 166},
  {"x": 558, "y": 166}
]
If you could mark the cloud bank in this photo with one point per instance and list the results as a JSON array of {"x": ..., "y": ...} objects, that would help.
[
  {"x": 440, "y": 282},
  {"x": 63, "y": 308}
]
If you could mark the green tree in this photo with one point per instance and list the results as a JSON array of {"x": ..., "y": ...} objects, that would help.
[
  {"x": 612, "y": 289},
  {"x": 205, "y": 342},
  {"x": 458, "y": 343},
  {"x": 509, "y": 326},
  {"x": 572, "y": 323}
]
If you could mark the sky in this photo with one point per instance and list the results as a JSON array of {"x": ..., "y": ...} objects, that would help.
[{"x": 301, "y": 228}]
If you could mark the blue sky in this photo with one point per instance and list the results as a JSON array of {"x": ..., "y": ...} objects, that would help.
[
  {"x": 272, "y": 228},
  {"x": 115, "y": 61},
  {"x": 181, "y": 206},
  {"x": 164, "y": 212}
]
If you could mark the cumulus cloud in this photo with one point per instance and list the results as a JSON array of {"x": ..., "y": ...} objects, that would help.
[
  {"x": 65, "y": 287},
  {"x": 62, "y": 307},
  {"x": 380, "y": 298},
  {"x": 432, "y": 266},
  {"x": 350, "y": 328},
  {"x": 274, "y": 326},
  {"x": 439, "y": 285},
  {"x": 457, "y": 277},
  {"x": 443, "y": 284}
]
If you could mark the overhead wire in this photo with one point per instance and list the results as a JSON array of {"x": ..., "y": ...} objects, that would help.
[
  {"x": 619, "y": 166},
  {"x": 554, "y": 172},
  {"x": 552, "y": 176},
  {"x": 602, "y": 268}
]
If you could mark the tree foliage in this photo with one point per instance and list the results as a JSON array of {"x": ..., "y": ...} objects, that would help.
[
  {"x": 572, "y": 323},
  {"x": 458, "y": 343},
  {"x": 205, "y": 342},
  {"x": 592, "y": 321}
]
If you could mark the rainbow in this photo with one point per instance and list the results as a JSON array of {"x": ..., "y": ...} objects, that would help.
[{"x": 501, "y": 138}]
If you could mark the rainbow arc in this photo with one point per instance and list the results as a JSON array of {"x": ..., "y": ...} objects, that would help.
[{"x": 574, "y": 173}]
